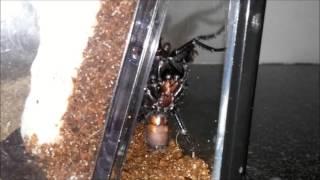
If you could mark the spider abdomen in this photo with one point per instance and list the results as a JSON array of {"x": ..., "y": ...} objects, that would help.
[{"x": 157, "y": 131}]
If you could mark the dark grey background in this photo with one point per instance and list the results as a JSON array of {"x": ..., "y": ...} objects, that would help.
[{"x": 285, "y": 132}]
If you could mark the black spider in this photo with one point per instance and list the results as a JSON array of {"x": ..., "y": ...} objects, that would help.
[{"x": 165, "y": 89}]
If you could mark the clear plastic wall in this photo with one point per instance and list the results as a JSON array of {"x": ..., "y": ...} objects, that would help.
[{"x": 114, "y": 89}]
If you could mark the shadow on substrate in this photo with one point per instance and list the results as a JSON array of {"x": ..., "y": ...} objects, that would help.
[{"x": 16, "y": 163}]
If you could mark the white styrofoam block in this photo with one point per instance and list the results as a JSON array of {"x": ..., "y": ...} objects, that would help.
[{"x": 65, "y": 27}]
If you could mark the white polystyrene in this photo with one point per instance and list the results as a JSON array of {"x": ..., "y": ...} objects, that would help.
[{"x": 64, "y": 30}]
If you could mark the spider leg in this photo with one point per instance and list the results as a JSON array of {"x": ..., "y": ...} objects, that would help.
[
  {"x": 186, "y": 73},
  {"x": 186, "y": 139},
  {"x": 149, "y": 95},
  {"x": 207, "y": 47},
  {"x": 175, "y": 63},
  {"x": 160, "y": 43},
  {"x": 196, "y": 41},
  {"x": 182, "y": 126},
  {"x": 159, "y": 70},
  {"x": 179, "y": 91},
  {"x": 211, "y": 36},
  {"x": 183, "y": 81},
  {"x": 148, "y": 103},
  {"x": 187, "y": 47}
]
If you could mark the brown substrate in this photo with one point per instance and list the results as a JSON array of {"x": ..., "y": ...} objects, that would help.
[
  {"x": 145, "y": 163},
  {"x": 74, "y": 156}
]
